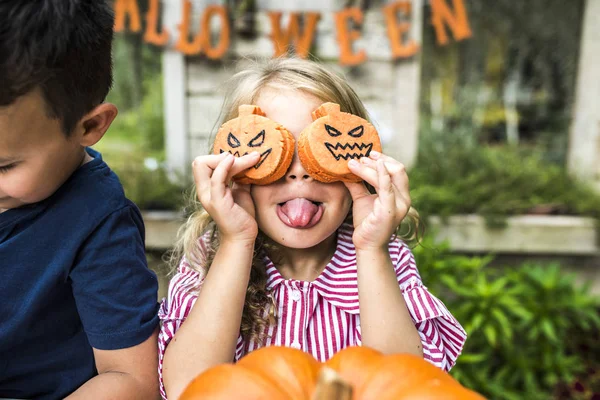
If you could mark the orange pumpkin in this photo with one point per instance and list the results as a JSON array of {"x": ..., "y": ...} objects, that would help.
[
  {"x": 354, "y": 363},
  {"x": 225, "y": 382},
  {"x": 376, "y": 377},
  {"x": 296, "y": 369},
  {"x": 331, "y": 140},
  {"x": 365, "y": 374},
  {"x": 252, "y": 131}
]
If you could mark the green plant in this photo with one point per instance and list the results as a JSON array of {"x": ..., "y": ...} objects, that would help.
[
  {"x": 134, "y": 148},
  {"x": 456, "y": 175},
  {"x": 520, "y": 321},
  {"x": 151, "y": 189}
]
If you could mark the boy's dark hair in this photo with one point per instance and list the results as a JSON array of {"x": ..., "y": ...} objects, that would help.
[{"x": 61, "y": 46}]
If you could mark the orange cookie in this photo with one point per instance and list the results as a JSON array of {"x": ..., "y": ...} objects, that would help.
[
  {"x": 331, "y": 140},
  {"x": 252, "y": 131}
]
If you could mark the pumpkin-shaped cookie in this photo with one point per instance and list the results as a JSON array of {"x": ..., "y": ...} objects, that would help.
[
  {"x": 331, "y": 140},
  {"x": 252, "y": 131}
]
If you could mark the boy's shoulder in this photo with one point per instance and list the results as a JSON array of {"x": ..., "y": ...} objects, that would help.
[{"x": 91, "y": 194}]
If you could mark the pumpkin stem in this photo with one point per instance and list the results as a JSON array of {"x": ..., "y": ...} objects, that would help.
[
  {"x": 326, "y": 109},
  {"x": 248, "y": 109},
  {"x": 331, "y": 386}
]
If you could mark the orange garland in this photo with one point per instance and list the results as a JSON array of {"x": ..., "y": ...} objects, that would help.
[
  {"x": 301, "y": 40},
  {"x": 152, "y": 36},
  {"x": 220, "y": 50},
  {"x": 124, "y": 8},
  {"x": 300, "y": 36},
  {"x": 346, "y": 36},
  {"x": 396, "y": 30},
  {"x": 457, "y": 22},
  {"x": 184, "y": 44}
]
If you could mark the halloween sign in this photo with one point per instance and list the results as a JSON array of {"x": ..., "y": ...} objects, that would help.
[
  {"x": 334, "y": 138},
  {"x": 252, "y": 131},
  {"x": 447, "y": 17}
]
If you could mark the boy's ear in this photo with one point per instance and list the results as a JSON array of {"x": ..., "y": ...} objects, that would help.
[{"x": 96, "y": 123}]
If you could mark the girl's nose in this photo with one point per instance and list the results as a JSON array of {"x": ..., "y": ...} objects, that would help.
[{"x": 297, "y": 171}]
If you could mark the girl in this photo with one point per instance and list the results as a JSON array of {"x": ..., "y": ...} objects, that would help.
[{"x": 262, "y": 265}]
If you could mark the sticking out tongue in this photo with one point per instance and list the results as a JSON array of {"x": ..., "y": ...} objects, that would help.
[{"x": 300, "y": 213}]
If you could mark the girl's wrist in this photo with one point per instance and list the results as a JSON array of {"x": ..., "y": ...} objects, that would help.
[
  {"x": 238, "y": 242},
  {"x": 373, "y": 253}
]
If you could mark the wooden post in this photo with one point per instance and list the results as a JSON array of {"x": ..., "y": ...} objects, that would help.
[
  {"x": 175, "y": 96},
  {"x": 583, "y": 158},
  {"x": 407, "y": 87}
]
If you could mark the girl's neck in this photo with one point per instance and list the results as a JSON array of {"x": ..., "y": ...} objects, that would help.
[{"x": 305, "y": 264}]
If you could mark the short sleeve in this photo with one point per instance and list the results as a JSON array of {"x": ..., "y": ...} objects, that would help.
[
  {"x": 441, "y": 334},
  {"x": 114, "y": 290}
]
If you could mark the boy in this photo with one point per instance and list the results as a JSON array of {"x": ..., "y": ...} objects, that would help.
[{"x": 78, "y": 310}]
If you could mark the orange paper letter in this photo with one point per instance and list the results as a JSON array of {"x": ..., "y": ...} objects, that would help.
[
  {"x": 396, "y": 30},
  {"x": 458, "y": 22},
  {"x": 210, "y": 51},
  {"x": 184, "y": 44},
  {"x": 301, "y": 40},
  {"x": 152, "y": 36},
  {"x": 124, "y": 8},
  {"x": 346, "y": 36}
]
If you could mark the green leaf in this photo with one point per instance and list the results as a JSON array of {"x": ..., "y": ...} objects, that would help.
[
  {"x": 490, "y": 334},
  {"x": 503, "y": 322},
  {"x": 521, "y": 312},
  {"x": 475, "y": 323},
  {"x": 472, "y": 358},
  {"x": 548, "y": 330}
]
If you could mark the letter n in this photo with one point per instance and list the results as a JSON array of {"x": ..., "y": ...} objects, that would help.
[{"x": 458, "y": 21}]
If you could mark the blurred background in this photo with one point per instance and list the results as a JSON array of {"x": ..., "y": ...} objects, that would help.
[{"x": 499, "y": 125}]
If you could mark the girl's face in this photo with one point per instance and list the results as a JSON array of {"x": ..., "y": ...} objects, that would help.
[{"x": 297, "y": 211}]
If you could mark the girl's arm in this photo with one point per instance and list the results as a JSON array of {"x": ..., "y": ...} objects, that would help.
[
  {"x": 397, "y": 312},
  {"x": 386, "y": 324},
  {"x": 209, "y": 335},
  {"x": 211, "y": 329}
]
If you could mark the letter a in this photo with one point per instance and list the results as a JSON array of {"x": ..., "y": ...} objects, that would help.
[{"x": 124, "y": 7}]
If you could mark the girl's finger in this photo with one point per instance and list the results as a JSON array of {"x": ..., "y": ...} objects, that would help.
[
  {"x": 385, "y": 189},
  {"x": 243, "y": 163},
  {"x": 210, "y": 160},
  {"x": 399, "y": 177},
  {"x": 368, "y": 162},
  {"x": 364, "y": 172},
  {"x": 396, "y": 169},
  {"x": 218, "y": 181},
  {"x": 357, "y": 190},
  {"x": 202, "y": 172}
]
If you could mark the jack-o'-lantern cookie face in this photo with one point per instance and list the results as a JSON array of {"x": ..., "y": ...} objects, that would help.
[
  {"x": 252, "y": 131},
  {"x": 334, "y": 138}
]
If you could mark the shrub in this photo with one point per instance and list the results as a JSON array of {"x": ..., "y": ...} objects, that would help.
[
  {"x": 456, "y": 175},
  {"x": 519, "y": 320}
]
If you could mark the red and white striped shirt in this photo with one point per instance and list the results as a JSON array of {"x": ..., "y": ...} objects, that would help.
[{"x": 322, "y": 317}]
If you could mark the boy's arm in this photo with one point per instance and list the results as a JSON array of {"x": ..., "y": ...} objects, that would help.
[
  {"x": 116, "y": 297},
  {"x": 130, "y": 373}
]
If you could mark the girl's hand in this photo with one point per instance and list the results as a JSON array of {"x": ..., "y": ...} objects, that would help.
[
  {"x": 377, "y": 216},
  {"x": 231, "y": 208}
]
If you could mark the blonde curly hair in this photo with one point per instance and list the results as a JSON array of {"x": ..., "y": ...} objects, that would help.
[{"x": 244, "y": 88}]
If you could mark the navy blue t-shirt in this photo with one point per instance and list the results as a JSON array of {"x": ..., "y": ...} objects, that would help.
[{"x": 73, "y": 276}]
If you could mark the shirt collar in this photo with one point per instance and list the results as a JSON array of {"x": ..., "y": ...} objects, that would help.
[{"x": 338, "y": 283}]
